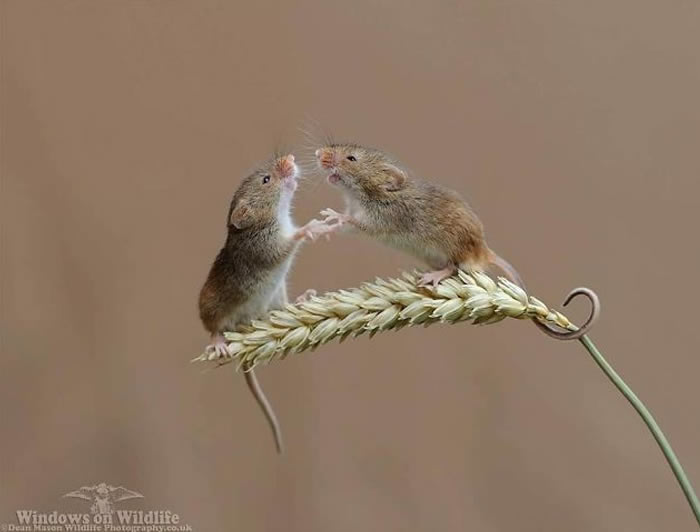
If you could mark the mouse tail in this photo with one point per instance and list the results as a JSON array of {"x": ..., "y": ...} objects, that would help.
[
  {"x": 266, "y": 407},
  {"x": 507, "y": 268}
]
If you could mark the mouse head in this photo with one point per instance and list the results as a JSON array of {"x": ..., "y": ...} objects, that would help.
[
  {"x": 264, "y": 195},
  {"x": 363, "y": 173}
]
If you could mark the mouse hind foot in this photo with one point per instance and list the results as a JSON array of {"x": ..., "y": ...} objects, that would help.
[
  {"x": 433, "y": 278},
  {"x": 218, "y": 345}
]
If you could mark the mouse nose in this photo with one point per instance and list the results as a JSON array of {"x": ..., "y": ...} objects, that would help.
[
  {"x": 325, "y": 157},
  {"x": 285, "y": 165}
]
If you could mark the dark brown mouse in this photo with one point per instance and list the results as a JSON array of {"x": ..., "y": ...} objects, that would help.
[
  {"x": 424, "y": 219},
  {"x": 248, "y": 277}
]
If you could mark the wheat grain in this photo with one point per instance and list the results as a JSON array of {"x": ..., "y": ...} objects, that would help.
[
  {"x": 389, "y": 304},
  {"x": 383, "y": 305}
]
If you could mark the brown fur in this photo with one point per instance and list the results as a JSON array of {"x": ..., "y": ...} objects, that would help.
[
  {"x": 251, "y": 252},
  {"x": 238, "y": 270},
  {"x": 426, "y": 220},
  {"x": 397, "y": 208},
  {"x": 248, "y": 276}
]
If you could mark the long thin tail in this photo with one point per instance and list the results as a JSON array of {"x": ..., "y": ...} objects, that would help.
[
  {"x": 507, "y": 268},
  {"x": 266, "y": 407}
]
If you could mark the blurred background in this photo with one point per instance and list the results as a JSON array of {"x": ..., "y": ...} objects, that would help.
[{"x": 572, "y": 127}]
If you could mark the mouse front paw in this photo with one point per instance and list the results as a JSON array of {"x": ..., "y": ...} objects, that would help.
[
  {"x": 334, "y": 217},
  {"x": 314, "y": 229},
  {"x": 309, "y": 293}
]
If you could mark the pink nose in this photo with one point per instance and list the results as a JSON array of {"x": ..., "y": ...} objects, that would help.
[
  {"x": 326, "y": 158},
  {"x": 285, "y": 165}
]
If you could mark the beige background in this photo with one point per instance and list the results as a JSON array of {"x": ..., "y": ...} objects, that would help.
[{"x": 573, "y": 128}]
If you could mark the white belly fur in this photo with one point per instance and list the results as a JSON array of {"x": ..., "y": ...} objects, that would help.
[
  {"x": 262, "y": 296},
  {"x": 260, "y": 300}
]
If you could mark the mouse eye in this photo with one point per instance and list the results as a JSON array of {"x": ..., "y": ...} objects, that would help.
[
  {"x": 351, "y": 158},
  {"x": 266, "y": 179}
]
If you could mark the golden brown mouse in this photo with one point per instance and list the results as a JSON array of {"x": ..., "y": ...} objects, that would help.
[
  {"x": 248, "y": 276},
  {"x": 421, "y": 218}
]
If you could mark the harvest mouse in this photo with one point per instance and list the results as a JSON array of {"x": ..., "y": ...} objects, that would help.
[
  {"x": 423, "y": 219},
  {"x": 248, "y": 276}
]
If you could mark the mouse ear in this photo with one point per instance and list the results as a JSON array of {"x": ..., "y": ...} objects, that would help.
[
  {"x": 396, "y": 176},
  {"x": 240, "y": 216}
]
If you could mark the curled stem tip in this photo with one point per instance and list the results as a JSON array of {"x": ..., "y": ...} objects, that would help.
[
  {"x": 395, "y": 303},
  {"x": 580, "y": 331}
]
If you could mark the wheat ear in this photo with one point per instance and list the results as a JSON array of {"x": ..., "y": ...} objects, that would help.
[
  {"x": 389, "y": 304},
  {"x": 383, "y": 305}
]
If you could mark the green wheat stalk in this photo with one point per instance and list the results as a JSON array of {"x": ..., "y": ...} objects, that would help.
[{"x": 391, "y": 304}]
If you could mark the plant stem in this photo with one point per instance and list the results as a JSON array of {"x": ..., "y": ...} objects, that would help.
[{"x": 650, "y": 422}]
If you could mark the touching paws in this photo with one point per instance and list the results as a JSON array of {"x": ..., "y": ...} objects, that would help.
[
  {"x": 314, "y": 229},
  {"x": 331, "y": 222},
  {"x": 334, "y": 218}
]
